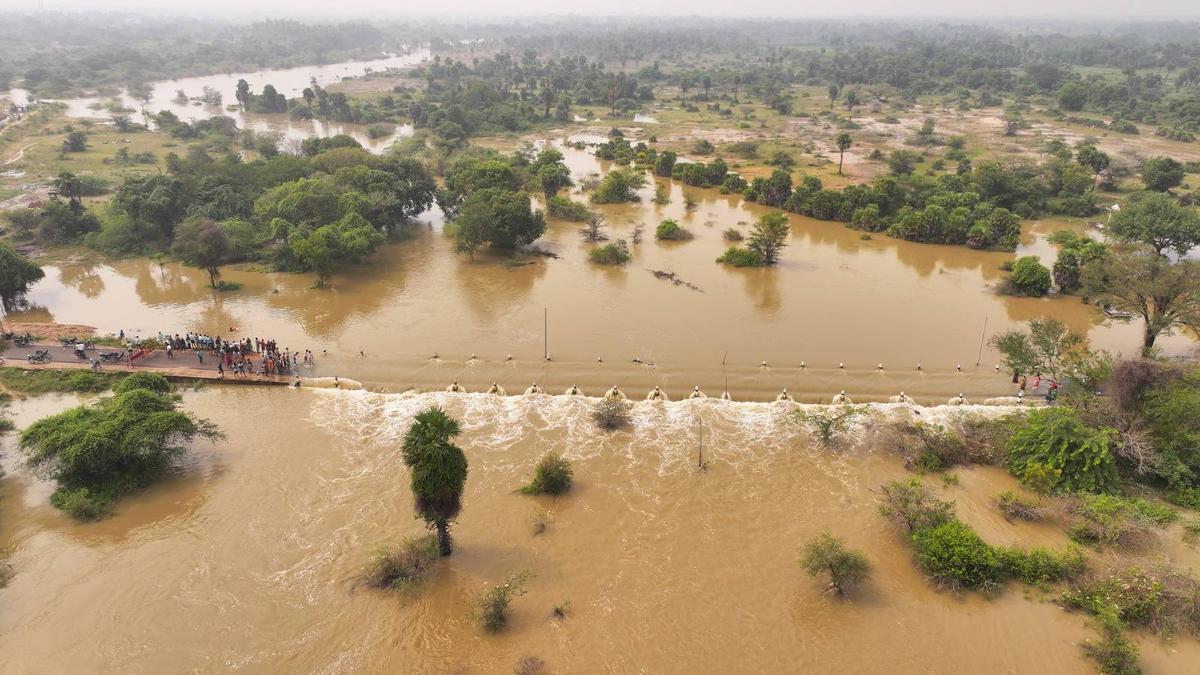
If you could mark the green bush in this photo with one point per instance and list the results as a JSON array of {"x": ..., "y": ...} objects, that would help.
[
  {"x": 1132, "y": 595},
  {"x": 1029, "y": 277},
  {"x": 83, "y": 503},
  {"x": 551, "y": 476},
  {"x": 401, "y": 566},
  {"x": 1114, "y": 653},
  {"x": 491, "y": 606},
  {"x": 669, "y": 230},
  {"x": 99, "y": 452},
  {"x": 567, "y": 209},
  {"x": 1039, "y": 566},
  {"x": 150, "y": 381},
  {"x": 1108, "y": 520},
  {"x": 912, "y": 505},
  {"x": 616, "y": 253},
  {"x": 740, "y": 257},
  {"x": 1016, "y": 507},
  {"x": 827, "y": 554},
  {"x": 1057, "y": 438},
  {"x": 954, "y": 555}
]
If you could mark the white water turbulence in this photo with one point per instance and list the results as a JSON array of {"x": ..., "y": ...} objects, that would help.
[{"x": 670, "y": 437}]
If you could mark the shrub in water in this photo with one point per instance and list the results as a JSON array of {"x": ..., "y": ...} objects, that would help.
[
  {"x": 552, "y": 476},
  {"x": 491, "y": 606},
  {"x": 1016, "y": 507},
  {"x": 912, "y": 504},
  {"x": 669, "y": 230},
  {"x": 401, "y": 566},
  {"x": 827, "y": 554},
  {"x": 954, "y": 555},
  {"x": 1057, "y": 438},
  {"x": 611, "y": 413},
  {"x": 1029, "y": 277},
  {"x": 616, "y": 253},
  {"x": 740, "y": 257}
]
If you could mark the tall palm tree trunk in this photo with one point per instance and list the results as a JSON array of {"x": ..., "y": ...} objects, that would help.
[{"x": 443, "y": 537}]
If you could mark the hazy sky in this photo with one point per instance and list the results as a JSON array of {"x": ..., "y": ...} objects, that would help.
[{"x": 481, "y": 8}]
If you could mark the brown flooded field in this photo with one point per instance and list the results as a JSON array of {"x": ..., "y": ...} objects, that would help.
[
  {"x": 834, "y": 299},
  {"x": 246, "y": 559}
]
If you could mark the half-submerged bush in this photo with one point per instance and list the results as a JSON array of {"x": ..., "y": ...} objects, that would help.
[
  {"x": 1164, "y": 600},
  {"x": 912, "y": 505},
  {"x": 741, "y": 257},
  {"x": 953, "y": 555},
  {"x": 611, "y": 413},
  {"x": 732, "y": 234},
  {"x": 827, "y": 554},
  {"x": 669, "y": 230},
  {"x": 1109, "y": 520},
  {"x": 551, "y": 476},
  {"x": 403, "y": 565},
  {"x": 616, "y": 253},
  {"x": 567, "y": 209},
  {"x": 491, "y": 606},
  {"x": 1029, "y": 277},
  {"x": 1114, "y": 653},
  {"x": 1016, "y": 507},
  {"x": 1055, "y": 438},
  {"x": 98, "y": 453}
]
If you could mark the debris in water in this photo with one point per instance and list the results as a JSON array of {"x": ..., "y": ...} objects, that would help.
[{"x": 670, "y": 276}]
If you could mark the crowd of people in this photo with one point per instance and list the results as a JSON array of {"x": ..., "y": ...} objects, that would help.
[{"x": 241, "y": 358}]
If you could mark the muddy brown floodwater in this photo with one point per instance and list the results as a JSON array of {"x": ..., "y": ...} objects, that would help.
[
  {"x": 835, "y": 298},
  {"x": 287, "y": 81},
  {"x": 246, "y": 558}
]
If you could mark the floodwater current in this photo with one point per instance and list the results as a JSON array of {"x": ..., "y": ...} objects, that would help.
[
  {"x": 246, "y": 557},
  {"x": 825, "y": 319}
]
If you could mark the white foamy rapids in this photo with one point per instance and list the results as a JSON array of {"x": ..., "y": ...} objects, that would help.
[{"x": 505, "y": 431}]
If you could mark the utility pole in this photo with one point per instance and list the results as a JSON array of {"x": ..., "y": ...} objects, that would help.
[{"x": 982, "y": 335}]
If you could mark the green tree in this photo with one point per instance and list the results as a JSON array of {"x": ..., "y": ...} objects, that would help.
[
  {"x": 903, "y": 162},
  {"x": 1092, "y": 157},
  {"x": 827, "y": 554},
  {"x": 17, "y": 274},
  {"x": 97, "y": 453},
  {"x": 550, "y": 172},
  {"x": 619, "y": 185},
  {"x": 1161, "y": 173},
  {"x": 157, "y": 202},
  {"x": 439, "y": 471},
  {"x": 1072, "y": 96},
  {"x": 344, "y": 242},
  {"x": 1055, "y": 438},
  {"x": 1049, "y": 347},
  {"x": 843, "y": 142},
  {"x": 768, "y": 237},
  {"x": 202, "y": 243},
  {"x": 1029, "y": 277},
  {"x": 76, "y": 141},
  {"x": 1159, "y": 221},
  {"x": 498, "y": 218},
  {"x": 1138, "y": 280}
]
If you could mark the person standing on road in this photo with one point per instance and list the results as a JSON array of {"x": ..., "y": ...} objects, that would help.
[{"x": 200, "y": 356}]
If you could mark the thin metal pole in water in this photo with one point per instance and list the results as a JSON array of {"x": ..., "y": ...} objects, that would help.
[
  {"x": 700, "y": 460},
  {"x": 979, "y": 356},
  {"x": 545, "y": 332}
]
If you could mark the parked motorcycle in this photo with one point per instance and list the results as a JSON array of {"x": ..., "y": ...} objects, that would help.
[
  {"x": 112, "y": 357},
  {"x": 40, "y": 356}
]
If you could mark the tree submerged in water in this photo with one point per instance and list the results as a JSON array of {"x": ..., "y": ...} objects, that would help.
[
  {"x": 98, "y": 453},
  {"x": 439, "y": 471},
  {"x": 827, "y": 554}
]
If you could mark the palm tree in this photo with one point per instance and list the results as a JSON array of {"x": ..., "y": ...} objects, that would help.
[
  {"x": 439, "y": 471},
  {"x": 843, "y": 143}
]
